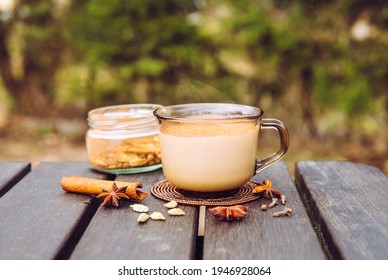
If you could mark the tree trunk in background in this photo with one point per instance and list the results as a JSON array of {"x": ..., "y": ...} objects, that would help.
[
  {"x": 255, "y": 87},
  {"x": 8, "y": 80},
  {"x": 33, "y": 89},
  {"x": 307, "y": 102}
]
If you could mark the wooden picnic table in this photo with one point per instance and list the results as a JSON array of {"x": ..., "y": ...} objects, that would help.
[{"x": 340, "y": 211}]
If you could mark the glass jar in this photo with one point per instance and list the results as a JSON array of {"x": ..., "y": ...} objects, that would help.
[{"x": 123, "y": 139}]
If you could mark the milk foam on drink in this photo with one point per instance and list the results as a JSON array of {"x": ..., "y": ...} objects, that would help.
[{"x": 209, "y": 157}]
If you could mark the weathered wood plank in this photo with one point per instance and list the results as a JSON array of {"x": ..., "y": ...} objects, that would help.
[
  {"x": 38, "y": 220},
  {"x": 11, "y": 173},
  {"x": 348, "y": 203},
  {"x": 261, "y": 236},
  {"x": 115, "y": 233}
]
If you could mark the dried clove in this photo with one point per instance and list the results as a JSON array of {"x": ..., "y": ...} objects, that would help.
[
  {"x": 285, "y": 212},
  {"x": 273, "y": 203},
  {"x": 283, "y": 199}
]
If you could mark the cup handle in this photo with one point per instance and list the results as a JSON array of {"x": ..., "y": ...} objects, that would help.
[{"x": 284, "y": 143}]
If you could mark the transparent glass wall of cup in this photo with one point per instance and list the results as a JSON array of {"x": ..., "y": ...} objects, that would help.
[
  {"x": 212, "y": 147},
  {"x": 123, "y": 139}
]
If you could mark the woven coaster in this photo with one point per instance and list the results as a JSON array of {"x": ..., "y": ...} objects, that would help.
[{"x": 166, "y": 191}]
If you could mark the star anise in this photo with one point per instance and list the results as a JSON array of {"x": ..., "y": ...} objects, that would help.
[
  {"x": 229, "y": 213},
  {"x": 113, "y": 196},
  {"x": 266, "y": 187}
]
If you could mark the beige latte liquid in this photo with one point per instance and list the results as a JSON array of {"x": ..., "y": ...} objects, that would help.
[{"x": 209, "y": 157}]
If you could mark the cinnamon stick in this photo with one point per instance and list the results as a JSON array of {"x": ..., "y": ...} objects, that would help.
[{"x": 84, "y": 185}]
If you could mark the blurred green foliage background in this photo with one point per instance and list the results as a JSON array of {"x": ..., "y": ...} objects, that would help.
[{"x": 320, "y": 66}]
